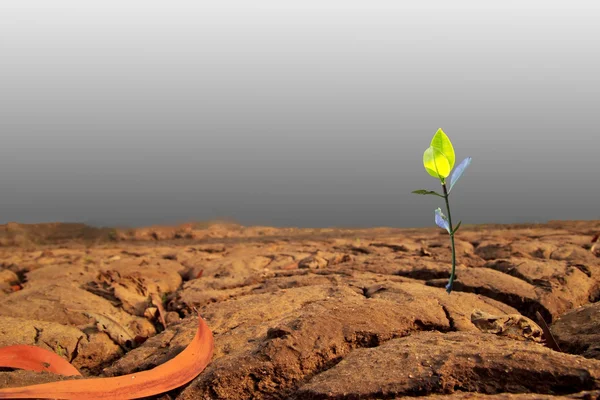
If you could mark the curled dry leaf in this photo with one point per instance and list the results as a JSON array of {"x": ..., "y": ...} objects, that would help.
[
  {"x": 36, "y": 359},
  {"x": 168, "y": 376}
]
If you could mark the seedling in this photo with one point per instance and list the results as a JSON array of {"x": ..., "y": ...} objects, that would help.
[
  {"x": 59, "y": 350},
  {"x": 438, "y": 160}
]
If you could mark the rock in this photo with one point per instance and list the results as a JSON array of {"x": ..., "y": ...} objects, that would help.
[
  {"x": 514, "y": 326},
  {"x": 88, "y": 352},
  {"x": 70, "y": 306},
  {"x": 434, "y": 362},
  {"x": 8, "y": 277},
  {"x": 578, "y": 331},
  {"x": 151, "y": 313},
  {"x": 313, "y": 262},
  {"x": 562, "y": 285},
  {"x": 493, "y": 250},
  {"x": 132, "y": 286},
  {"x": 172, "y": 317},
  {"x": 63, "y": 274}
]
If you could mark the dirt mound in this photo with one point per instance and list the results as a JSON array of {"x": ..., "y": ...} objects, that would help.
[
  {"x": 315, "y": 313},
  {"x": 15, "y": 234}
]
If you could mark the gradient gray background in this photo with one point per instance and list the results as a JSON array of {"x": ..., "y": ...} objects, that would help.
[{"x": 303, "y": 113}]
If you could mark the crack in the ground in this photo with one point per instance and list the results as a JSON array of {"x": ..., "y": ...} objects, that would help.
[
  {"x": 361, "y": 340},
  {"x": 448, "y": 317},
  {"x": 358, "y": 340},
  {"x": 526, "y": 307},
  {"x": 105, "y": 291},
  {"x": 275, "y": 383},
  {"x": 460, "y": 381},
  {"x": 510, "y": 270},
  {"x": 368, "y": 292},
  {"x": 423, "y": 274},
  {"x": 564, "y": 385},
  {"x": 38, "y": 332},
  {"x": 583, "y": 268},
  {"x": 75, "y": 351},
  {"x": 394, "y": 247}
]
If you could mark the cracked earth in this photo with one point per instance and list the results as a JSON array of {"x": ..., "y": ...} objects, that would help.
[{"x": 313, "y": 313}]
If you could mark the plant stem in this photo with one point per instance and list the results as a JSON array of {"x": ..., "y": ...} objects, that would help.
[{"x": 452, "y": 275}]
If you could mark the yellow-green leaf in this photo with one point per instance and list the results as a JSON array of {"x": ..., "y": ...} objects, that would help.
[
  {"x": 443, "y": 144},
  {"x": 436, "y": 164}
]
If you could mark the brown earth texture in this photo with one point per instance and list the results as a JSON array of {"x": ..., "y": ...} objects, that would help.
[{"x": 313, "y": 313}]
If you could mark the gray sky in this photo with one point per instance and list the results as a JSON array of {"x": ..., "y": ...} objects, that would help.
[{"x": 303, "y": 113}]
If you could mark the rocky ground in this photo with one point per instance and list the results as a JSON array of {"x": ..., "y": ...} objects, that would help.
[{"x": 313, "y": 313}]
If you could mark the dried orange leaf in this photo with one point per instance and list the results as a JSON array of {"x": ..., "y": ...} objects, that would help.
[
  {"x": 35, "y": 358},
  {"x": 168, "y": 376}
]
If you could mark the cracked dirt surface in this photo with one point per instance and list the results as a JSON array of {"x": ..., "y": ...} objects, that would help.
[{"x": 310, "y": 313}]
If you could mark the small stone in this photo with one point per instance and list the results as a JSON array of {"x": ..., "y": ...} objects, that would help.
[
  {"x": 8, "y": 277},
  {"x": 171, "y": 317},
  {"x": 313, "y": 262},
  {"x": 150, "y": 312}
]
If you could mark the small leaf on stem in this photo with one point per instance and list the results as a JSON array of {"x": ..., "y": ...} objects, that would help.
[
  {"x": 456, "y": 228},
  {"x": 441, "y": 220},
  {"x": 423, "y": 191}
]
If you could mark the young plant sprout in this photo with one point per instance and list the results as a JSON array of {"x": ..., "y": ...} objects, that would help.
[{"x": 438, "y": 160}]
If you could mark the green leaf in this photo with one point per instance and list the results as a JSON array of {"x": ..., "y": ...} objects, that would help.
[
  {"x": 423, "y": 191},
  {"x": 441, "y": 142},
  {"x": 456, "y": 228},
  {"x": 436, "y": 163}
]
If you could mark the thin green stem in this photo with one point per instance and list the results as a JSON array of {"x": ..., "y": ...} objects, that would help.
[{"x": 452, "y": 274}]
